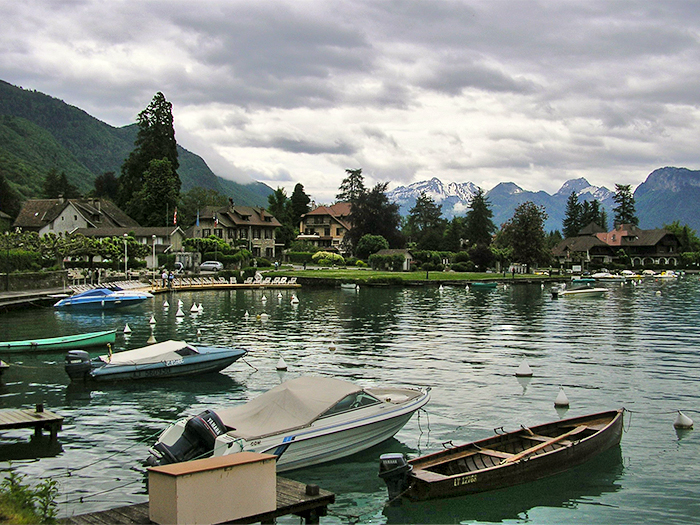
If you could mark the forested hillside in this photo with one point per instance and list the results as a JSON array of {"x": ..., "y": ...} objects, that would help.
[{"x": 39, "y": 132}]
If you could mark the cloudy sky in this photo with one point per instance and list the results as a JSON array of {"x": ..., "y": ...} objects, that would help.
[{"x": 536, "y": 93}]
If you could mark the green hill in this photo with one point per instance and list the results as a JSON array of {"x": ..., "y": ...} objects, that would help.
[{"x": 39, "y": 132}]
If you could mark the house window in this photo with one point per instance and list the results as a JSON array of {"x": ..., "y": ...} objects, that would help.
[
  {"x": 75, "y": 217},
  {"x": 219, "y": 232},
  {"x": 206, "y": 232},
  {"x": 256, "y": 233},
  {"x": 338, "y": 232},
  {"x": 327, "y": 232},
  {"x": 268, "y": 233},
  {"x": 269, "y": 252},
  {"x": 318, "y": 220},
  {"x": 230, "y": 232},
  {"x": 243, "y": 233}
]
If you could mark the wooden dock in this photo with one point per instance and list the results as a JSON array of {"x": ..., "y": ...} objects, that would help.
[
  {"x": 306, "y": 501},
  {"x": 37, "y": 417}
]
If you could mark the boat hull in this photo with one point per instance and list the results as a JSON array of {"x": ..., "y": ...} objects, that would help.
[
  {"x": 476, "y": 470},
  {"x": 160, "y": 371},
  {"x": 319, "y": 445},
  {"x": 60, "y": 343}
]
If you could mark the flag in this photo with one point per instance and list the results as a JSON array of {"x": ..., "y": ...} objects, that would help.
[
  {"x": 216, "y": 222},
  {"x": 197, "y": 218},
  {"x": 175, "y": 217}
]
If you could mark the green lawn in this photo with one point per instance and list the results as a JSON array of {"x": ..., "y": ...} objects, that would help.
[{"x": 364, "y": 275}]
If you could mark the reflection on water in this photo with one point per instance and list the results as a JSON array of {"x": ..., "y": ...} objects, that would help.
[{"x": 635, "y": 349}]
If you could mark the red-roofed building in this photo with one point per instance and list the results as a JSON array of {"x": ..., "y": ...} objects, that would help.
[{"x": 326, "y": 227}]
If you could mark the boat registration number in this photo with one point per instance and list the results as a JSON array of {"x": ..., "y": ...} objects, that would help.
[{"x": 465, "y": 480}]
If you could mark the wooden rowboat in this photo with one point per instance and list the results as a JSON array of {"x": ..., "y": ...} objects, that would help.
[
  {"x": 66, "y": 342},
  {"x": 503, "y": 460}
]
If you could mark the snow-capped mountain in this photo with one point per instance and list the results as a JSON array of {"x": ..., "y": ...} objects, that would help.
[{"x": 503, "y": 198}]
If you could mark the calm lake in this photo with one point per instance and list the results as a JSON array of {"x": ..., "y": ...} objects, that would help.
[{"x": 638, "y": 348}]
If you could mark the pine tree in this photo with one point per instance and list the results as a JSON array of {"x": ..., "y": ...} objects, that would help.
[
  {"x": 625, "y": 212},
  {"x": 352, "y": 186},
  {"x": 572, "y": 223},
  {"x": 479, "y": 227},
  {"x": 155, "y": 141}
]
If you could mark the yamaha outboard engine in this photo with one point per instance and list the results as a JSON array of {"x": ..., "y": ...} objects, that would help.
[
  {"x": 394, "y": 470},
  {"x": 197, "y": 440},
  {"x": 78, "y": 365}
]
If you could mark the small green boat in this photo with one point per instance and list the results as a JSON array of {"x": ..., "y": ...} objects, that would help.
[{"x": 67, "y": 342}]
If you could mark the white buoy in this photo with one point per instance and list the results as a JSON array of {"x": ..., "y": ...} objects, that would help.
[
  {"x": 441, "y": 288},
  {"x": 561, "y": 400},
  {"x": 281, "y": 365},
  {"x": 295, "y": 299},
  {"x": 246, "y": 314},
  {"x": 179, "y": 312},
  {"x": 658, "y": 292},
  {"x": 200, "y": 308},
  {"x": 127, "y": 329},
  {"x": 199, "y": 333},
  {"x": 194, "y": 308},
  {"x": 264, "y": 299},
  {"x": 682, "y": 421},
  {"x": 180, "y": 304},
  {"x": 151, "y": 339},
  {"x": 279, "y": 295},
  {"x": 523, "y": 370},
  {"x": 263, "y": 317},
  {"x": 152, "y": 321},
  {"x": 166, "y": 304}
]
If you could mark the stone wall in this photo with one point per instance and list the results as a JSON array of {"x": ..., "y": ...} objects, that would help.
[{"x": 33, "y": 280}]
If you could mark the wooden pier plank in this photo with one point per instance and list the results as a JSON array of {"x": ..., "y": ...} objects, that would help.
[{"x": 291, "y": 499}]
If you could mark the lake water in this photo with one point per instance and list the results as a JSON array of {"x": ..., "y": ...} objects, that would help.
[{"x": 639, "y": 348}]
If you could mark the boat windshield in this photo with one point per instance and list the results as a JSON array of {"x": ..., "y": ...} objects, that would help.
[
  {"x": 350, "y": 402},
  {"x": 187, "y": 350}
]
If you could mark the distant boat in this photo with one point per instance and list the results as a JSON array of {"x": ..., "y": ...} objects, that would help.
[
  {"x": 166, "y": 359},
  {"x": 65, "y": 342},
  {"x": 578, "y": 291},
  {"x": 102, "y": 298},
  {"x": 483, "y": 284},
  {"x": 507, "y": 459}
]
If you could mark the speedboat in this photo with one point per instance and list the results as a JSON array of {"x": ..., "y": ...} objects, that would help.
[
  {"x": 166, "y": 359},
  {"x": 579, "y": 291},
  {"x": 304, "y": 421},
  {"x": 103, "y": 298}
]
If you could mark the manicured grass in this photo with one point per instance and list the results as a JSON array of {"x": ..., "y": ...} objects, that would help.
[{"x": 364, "y": 275}]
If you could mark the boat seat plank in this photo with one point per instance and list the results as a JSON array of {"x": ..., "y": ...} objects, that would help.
[
  {"x": 427, "y": 475},
  {"x": 495, "y": 453}
]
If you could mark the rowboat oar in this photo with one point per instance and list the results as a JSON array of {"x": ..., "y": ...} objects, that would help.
[{"x": 544, "y": 444}]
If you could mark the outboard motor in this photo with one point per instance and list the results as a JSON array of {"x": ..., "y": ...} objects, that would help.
[
  {"x": 78, "y": 365},
  {"x": 197, "y": 440},
  {"x": 394, "y": 470}
]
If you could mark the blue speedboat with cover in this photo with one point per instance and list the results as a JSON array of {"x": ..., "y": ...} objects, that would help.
[
  {"x": 166, "y": 359},
  {"x": 100, "y": 298}
]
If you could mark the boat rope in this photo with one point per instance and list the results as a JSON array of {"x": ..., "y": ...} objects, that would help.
[
  {"x": 247, "y": 363},
  {"x": 80, "y": 499},
  {"x": 70, "y": 471}
]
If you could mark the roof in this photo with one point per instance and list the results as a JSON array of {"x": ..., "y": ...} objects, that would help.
[
  {"x": 631, "y": 235},
  {"x": 582, "y": 243},
  {"x": 340, "y": 211},
  {"x": 293, "y": 404},
  {"x": 37, "y": 213},
  {"x": 230, "y": 216},
  {"x": 591, "y": 229},
  {"x": 395, "y": 251}
]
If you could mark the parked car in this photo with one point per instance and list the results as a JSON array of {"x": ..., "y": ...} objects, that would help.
[{"x": 211, "y": 266}]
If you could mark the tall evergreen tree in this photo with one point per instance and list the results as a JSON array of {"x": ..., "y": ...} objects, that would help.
[
  {"x": 56, "y": 185},
  {"x": 155, "y": 140},
  {"x": 425, "y": 224},
  {"x": 524, "y": 233},
  {"x": 158, "y": 196},
  {"x": 625, "y": 212},
  {"x": 279, "y": 206},
  {"x": 107, "y": 185},
  {"x": 572, "y": 223},
  {"x": 298, "y": 205},
  {"x": 352, "y": 186},
  {"x": 479, "y": 227},
  {"x": 373, "y": 214}
]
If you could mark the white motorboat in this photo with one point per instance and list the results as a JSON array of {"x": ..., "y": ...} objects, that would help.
[
  {"x": 304, "y": 421},
  {"x": 579, "y": 291}
]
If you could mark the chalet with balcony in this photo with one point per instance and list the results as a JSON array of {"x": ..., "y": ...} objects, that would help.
[
  {"x": 644, "y": 247},
  {"x": 326, "y": 227},
  {"x": 248, "y": 225}
]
